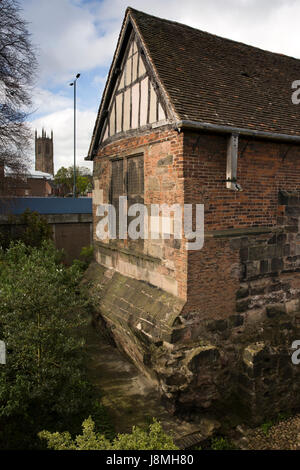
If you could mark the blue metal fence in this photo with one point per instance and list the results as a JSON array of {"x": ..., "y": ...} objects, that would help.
[{"x": 46, "y": 205}]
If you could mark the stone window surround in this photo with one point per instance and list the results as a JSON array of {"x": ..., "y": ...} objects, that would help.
[{"x": 125, "y": 159}]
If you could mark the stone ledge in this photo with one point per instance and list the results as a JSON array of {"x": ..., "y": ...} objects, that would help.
[
  {"x": 240, "y": 232},
  {"x": 128, "y": 252},
  {"x": 134, "y": 307}
]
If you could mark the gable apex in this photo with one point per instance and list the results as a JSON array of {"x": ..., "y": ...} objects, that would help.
[{"x": 147, "y": 91}]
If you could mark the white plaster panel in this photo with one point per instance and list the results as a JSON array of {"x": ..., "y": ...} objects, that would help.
[
  {"x": 161, "y": 113},
  {"x": 126, "y": 122},
  {"x": 119, "y": 99},
  {"x": 135, "y": 106},
  {"x": 152, "y": 116},
  {"x": 142, "y": 69},
  {"x": 112, "y": 121},
  {"x": 134, "y": 67},
  {"x": 144, "y": 101},
  {"x": 128, "y": 72}
]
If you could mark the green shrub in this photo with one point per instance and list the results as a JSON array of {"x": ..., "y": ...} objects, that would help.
[
  {"x": 31, "y": 228},
  {"x": 266, "y": 427},
  {"x": 41, "y": 310},
  {"x": 85, "y": 257},
  {"x": 153, "y": 439},
  {"x": 36, "y": 228},
  {"x": 220, "y": 443}
]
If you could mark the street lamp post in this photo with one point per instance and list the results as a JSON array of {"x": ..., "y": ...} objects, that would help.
[{"x": 74, "y": 85}]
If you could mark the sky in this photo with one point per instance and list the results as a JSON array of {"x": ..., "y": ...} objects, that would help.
[{"x": 80, "y": 36}]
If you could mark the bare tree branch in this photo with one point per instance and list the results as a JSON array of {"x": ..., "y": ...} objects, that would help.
[{"x": 18, "y": 67}]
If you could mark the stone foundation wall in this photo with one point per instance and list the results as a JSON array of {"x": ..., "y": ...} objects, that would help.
[
  {"x": 250, "y": 371},
  {"x": 139, "y": 315},
  {"x": 226, "y": 366}
]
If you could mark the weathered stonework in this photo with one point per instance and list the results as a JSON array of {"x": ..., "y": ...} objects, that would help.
[
  {"x": 228, "y": 361},
  {"x": 240, "y": 359}
]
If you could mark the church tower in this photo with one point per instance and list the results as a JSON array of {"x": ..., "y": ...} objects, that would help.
[{"x": 44, "y": 153}]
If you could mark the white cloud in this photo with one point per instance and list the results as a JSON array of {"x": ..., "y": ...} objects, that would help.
[
  {"x": 99, "y": 80},
  {"x": 67, "y": 38},
  {"x": 78, "y": 35},
  {"x": 44, "y": 101},
  {"x": 61, "y": 122},
  {"x": 268, "y": 24}
]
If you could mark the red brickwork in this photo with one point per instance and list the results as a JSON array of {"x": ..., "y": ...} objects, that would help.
[
  {"x": 163, "y": 183},
  {"x": 191, "y": 168},
  {"x": 264, "y": 168}
]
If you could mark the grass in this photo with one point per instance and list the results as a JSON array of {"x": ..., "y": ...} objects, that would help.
[{"x": 265, "y": 427}]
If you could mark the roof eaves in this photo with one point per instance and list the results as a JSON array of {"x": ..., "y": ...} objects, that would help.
[{"x": 222, "y": 129}]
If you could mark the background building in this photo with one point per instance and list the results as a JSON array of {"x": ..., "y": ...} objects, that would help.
[{"x": 44, "y": 153}]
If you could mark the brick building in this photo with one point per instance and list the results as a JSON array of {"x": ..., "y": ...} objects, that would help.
[
  {"x": 187, "y": 117},
  {"x": 36, "y": 183}
]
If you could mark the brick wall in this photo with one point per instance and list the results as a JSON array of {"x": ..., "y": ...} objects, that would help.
[
  {"x": 234, "y": 248},
  {"x": 163, "y": 183},
  {"x": 264, "y": 168},
  {"x": 38, "y": 187},
  {"x": 191, "y": 168},
  {"x": 72, "y": 237}
]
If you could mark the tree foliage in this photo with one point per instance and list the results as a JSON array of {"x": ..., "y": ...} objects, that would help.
[
  {"x": 36, "y": 228},
  {"x": 85, "y": 258},
  {"x": 152, "y": 439},
  {"x": 32, "y": 229},
  {"x": 64, "y": 179},
  {"x": 40, "y": 313},
  {"x": 17, "y": 71}
]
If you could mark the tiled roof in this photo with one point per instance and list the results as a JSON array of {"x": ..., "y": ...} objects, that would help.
[{"x": 219, "y": 81}]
